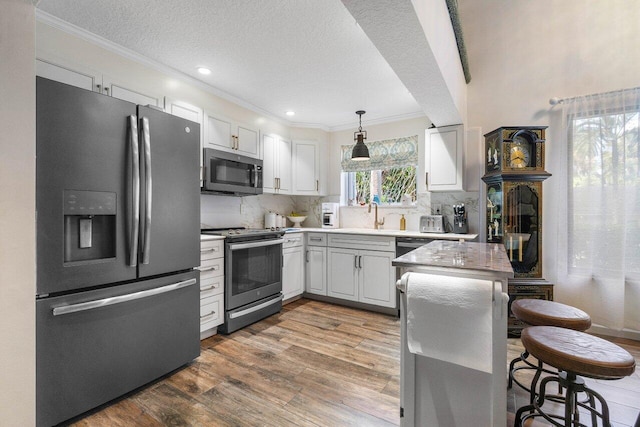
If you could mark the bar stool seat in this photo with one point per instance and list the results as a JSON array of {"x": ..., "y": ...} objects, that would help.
[
  {"x": 537, "y": 312},
  {"x": 576, "y": 354}
]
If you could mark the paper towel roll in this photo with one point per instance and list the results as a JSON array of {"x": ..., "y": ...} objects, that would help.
[
  {"x": 270, "y": 220},
  {"x": 450, "y": 319}
]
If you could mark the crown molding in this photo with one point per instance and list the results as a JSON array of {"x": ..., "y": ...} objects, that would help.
[
  {"x": 380, "y": 121},
  {"x": 100, "y": 41}
]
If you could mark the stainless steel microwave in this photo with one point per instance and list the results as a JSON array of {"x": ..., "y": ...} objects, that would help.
[{"x": 230, "y": 173}]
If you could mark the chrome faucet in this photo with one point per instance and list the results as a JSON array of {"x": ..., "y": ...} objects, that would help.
[{"x": 376, "y": 223}]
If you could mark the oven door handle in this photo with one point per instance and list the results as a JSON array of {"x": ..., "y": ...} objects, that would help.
[
  {"x": 255, "y": 308},
  {"x": 258, "y": 244}
]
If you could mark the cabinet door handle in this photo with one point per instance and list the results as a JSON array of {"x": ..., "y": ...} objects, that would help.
[
  {"x": 426, "y": 179},
  {"x": 317, "y": 185},
  {"x": 306, "y": 256},
  {"x": 360, "y": 261}
]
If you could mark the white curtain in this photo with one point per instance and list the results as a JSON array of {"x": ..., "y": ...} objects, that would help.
[{"x": 598, "y": 199}]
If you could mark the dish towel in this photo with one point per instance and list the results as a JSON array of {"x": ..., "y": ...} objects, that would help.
[{"x": 450, "y": 319}]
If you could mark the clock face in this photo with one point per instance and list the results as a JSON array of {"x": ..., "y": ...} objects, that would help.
[{"x": 520, "y": 156}]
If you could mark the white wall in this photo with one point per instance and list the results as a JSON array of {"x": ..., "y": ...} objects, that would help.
[
  {"x": 522, "y": 53},
  {"x": 17, "y": 213}
]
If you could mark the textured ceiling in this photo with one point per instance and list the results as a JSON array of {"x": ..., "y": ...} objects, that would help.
[{"x": 309, "y": 56}]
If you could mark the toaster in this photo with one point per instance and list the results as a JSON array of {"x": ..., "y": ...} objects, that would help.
[{"x": 432, "y": 224}]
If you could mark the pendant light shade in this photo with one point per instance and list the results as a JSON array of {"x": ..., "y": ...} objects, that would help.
[{"x": 360, "y": 150}]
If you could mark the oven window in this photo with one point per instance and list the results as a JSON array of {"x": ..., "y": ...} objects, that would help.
[
  {"x": 254, "y": 268},
  {"x": 230, "y": 172}
]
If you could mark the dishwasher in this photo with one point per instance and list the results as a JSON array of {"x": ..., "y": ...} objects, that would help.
[{"x": 403, "y": 246}]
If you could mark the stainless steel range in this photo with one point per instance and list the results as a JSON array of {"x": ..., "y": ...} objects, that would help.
[{"x": 253, "y": 275}]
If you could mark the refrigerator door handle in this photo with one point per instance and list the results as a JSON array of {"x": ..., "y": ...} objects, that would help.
[
  {"x": 135, "y": 188},
  {"x": 148, "y": 186},
  {"x": 90, "y": 305}
]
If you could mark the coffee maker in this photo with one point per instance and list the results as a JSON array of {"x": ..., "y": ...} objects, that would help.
[
  {"x": 460, "y": 225},
  {"x": 330, "y": 218}
]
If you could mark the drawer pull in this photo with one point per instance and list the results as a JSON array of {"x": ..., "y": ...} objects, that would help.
[
  {"x": 208, "y": 314},
  {"x": 315, "y": 239},
  {"x": 210, "y": 288},
  {"x": 209, "y": 250},
  {"x": 215, "y": 268}
]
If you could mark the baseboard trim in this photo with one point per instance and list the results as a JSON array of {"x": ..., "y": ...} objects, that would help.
[{"x": 625, "y": 333}]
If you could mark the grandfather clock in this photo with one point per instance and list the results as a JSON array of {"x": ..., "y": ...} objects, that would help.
[{"x": 514, "y": 172}]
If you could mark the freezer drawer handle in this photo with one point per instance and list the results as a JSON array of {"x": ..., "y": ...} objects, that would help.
[
  {"x": 256, "y": 308},
  {"x": 148, "y": 187},
  {"x": 90, "y": 305},
  {"x": 135, "y": 187}
]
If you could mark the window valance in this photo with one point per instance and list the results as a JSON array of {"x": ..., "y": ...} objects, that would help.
[{"x": 386, "y": 154}]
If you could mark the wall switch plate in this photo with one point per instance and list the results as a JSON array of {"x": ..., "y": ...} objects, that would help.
[{"x": 436, "y": 208}]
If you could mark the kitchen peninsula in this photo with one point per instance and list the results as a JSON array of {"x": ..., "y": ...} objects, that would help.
[{"x": 454, "y": 333}]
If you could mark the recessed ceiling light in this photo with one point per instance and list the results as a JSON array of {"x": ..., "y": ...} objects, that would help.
[
  {"x": 290, "y": 113},
  {"x": 204, "y": 70}
]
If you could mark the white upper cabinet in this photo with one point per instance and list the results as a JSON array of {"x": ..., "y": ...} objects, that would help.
[
  {"x": 125, "y": 91},
  {"x": 276, "y": 168},
  {"x": 88, "y": 79},
  {"x": 306, "y": 168},
  {"x": 184, "y": 110},
  {"x": 188, "y": 112},
  {"x": 85, "y": 79},
  {"x": 224, "y": 134},
  {"x": 444, "y": 158}
]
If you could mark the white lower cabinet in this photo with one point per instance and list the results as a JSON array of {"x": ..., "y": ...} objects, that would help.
[
  {"x": 362, "y": 275},
  {"x": 316, "y": 264},
  {"x": 211, "y": 286},
  {"x": 292, "y": 265}
]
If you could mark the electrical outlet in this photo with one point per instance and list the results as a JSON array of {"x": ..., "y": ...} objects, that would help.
[{"x": 436, "y": 208}]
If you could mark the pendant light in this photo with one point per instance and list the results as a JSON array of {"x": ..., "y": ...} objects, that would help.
[{"x": 360, "y": 151}]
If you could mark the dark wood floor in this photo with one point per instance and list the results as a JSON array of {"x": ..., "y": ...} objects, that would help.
[{"x": 313, "y": 364}]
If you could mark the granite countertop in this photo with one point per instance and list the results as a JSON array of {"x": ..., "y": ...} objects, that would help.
[
  {"x": 386, "y": 232},
  {"x": 490, "y": 257}
]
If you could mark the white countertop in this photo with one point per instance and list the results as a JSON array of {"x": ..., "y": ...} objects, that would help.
[{"x": 387, "y": 232}]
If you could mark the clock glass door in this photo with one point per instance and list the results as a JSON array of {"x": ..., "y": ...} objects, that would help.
[{"x": 522, "y": 228}]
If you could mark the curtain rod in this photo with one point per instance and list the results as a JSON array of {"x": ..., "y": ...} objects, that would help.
[{"x": 555, "y": 100}]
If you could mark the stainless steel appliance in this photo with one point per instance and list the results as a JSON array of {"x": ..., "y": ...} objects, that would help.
[
  {"x": 253, "y": 275},
  {"x": 405, "y": 245},
  {"x": 432, "y": 224},
  {"x": 229, "y": 173},
  {"x": 330, "y": 215},
  {"x": 118, "y": 207}
]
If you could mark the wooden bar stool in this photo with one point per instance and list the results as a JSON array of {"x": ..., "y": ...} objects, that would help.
[
  {"x": 575, "y": 354},
  {"x": 537, "y": 312}
]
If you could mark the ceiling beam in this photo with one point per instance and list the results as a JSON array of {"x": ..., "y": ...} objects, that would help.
[{"x": 417, "y": 40}]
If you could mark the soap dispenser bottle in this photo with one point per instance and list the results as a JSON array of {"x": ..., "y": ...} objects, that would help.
[{"x": 403, "y": 223}]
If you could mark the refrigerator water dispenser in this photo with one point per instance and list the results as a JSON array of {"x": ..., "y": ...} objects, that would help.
[{"x": 89, "y": 225}]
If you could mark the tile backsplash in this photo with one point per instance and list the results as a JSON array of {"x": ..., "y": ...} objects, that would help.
[{"x": 228, "y": 211}]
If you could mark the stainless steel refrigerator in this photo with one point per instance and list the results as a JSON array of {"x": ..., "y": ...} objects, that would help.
[{"x": 118, "y": 214}]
